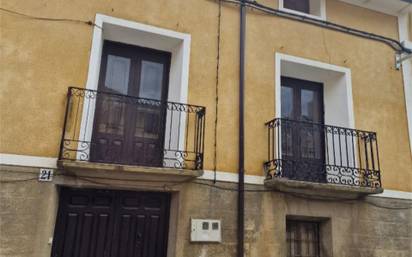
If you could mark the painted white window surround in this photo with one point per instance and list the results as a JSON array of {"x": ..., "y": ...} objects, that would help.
[
  {"x": 337, "y": 89},
  {"x": 337, "y": 86},
  {"x": 317, "y": 9},
  {"x": 404, "y": 29},
  {"x": 143, "y": 35}
]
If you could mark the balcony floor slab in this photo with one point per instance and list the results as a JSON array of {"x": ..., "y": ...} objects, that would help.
[
  {"x": 320, "y": 189},
  {"x": 86, "y": 174}
]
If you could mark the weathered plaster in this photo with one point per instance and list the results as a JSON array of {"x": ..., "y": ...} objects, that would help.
[
  {"x": 355, "y": 228},
  {"x": 41, "y": 59}
]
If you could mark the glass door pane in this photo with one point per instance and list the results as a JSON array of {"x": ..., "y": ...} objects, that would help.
[
  {"x": 302, "y": 131},
  {"x": 287, "y": 107},
  {"x": 310, "y": 107},
  {"x": 117, "y": 74},
  {"x": 151, "y": 80}
]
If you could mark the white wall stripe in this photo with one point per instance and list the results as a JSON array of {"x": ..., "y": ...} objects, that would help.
[
  {"x": 221, "y": 176},
  {"x": 258, "y": 180},
  {"x": 394, "y": 194},
  {"x": 232, "y": 177},
  {"x": 28, "y": 160}
]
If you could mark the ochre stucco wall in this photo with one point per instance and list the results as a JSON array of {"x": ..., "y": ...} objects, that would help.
[
  {"x": 410, "y": 27},
  {"x": 40, "y": 59}
]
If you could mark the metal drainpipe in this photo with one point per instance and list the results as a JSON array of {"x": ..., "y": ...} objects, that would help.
[{"x": 241, "y": 184}]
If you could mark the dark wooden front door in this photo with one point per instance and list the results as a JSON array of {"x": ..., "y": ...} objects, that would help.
[
  {"x": 302, "y": 130},
  {"x": 108, "y": 223},
  {"x": 128, "y": 130}
]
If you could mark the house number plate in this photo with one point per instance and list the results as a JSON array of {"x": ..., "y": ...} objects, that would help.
[{"x": 46, "y": 175}]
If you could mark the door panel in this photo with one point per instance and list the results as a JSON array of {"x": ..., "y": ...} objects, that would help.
[
  {"x": 109, "y": 129},
  {"x": 148, "y": 135},
  {"x": 135, "y": 233},
  {"x": 106, "y": 223},
  {"x": 149, "y": 119},
  {"x": 128, "y": 130},
  {"x": 84, "y": 223},
  {"x": 117, "y": 72},
  {"x": 302, "y": 129}
]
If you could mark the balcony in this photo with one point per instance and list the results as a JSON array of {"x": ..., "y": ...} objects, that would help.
[
  {"x": 107, "y": 131},
  {"x": 313, "y": 158}
]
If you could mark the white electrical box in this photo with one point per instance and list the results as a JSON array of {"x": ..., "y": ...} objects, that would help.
[{"x": 206, "y": 230}]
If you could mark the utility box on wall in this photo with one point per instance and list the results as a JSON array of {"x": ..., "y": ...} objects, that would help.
[{"x": 205, "y": 230}]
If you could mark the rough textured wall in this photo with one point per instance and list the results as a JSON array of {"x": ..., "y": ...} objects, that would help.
[
  {"x": 41, "y": 59},
  {"x": 355, "y": 229},
  {"x": 410, "y": 26},
  {"x": 27, "y": 213}
]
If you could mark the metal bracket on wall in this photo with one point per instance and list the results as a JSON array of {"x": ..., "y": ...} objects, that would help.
[{"x": 400, "y": 58}]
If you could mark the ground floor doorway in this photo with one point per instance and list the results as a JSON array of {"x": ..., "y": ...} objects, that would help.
[{"x": 111, "y": 223}]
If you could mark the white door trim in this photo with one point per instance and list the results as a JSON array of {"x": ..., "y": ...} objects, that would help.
[{"x": 406, "y": 71}]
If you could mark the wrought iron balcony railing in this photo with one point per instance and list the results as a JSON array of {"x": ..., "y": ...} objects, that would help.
[
  {"x": 314, "y": 152},
  {"x": 113, "y": 128}
]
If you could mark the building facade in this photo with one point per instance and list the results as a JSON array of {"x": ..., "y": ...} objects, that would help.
[{"x": 120, "y": 128}]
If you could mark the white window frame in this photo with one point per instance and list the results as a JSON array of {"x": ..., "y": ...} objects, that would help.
[
  {"x": 130, "y": 32},
  {"x": 322, "y": 10},
  {"x": 338, "y": 99},
  {"x": 404, "y": 29},
  {"x": 320, "y": 66}
]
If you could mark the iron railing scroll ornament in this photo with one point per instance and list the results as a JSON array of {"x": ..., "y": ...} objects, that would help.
[
  {"x": 179, "y": 127},
  {"x": 314, "y": 152}
]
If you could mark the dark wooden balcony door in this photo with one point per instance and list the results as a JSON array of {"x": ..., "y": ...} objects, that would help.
[
  {"x": 127, "y": 129},
  {"x": 302, "y": 130}
]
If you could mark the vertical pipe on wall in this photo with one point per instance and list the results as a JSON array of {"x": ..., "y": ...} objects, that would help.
[
  {"x": 241, "y": 184},
  {"x": 66, "y": 115}
]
